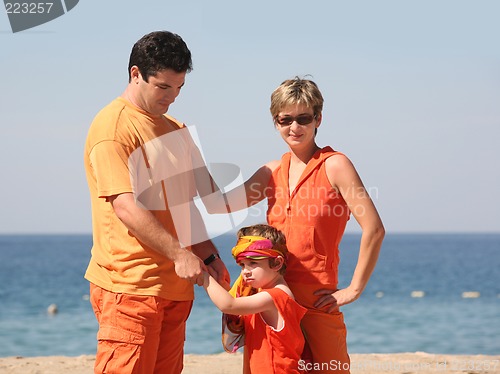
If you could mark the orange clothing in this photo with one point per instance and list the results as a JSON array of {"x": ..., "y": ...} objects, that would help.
[
  {"x": 124, "y": 152},
  {"x": 313, "y": 218},
  {"x": 271, "y": 351},
  {"x": 152, "y": 343},
  {"x": 325, "y": 333}
]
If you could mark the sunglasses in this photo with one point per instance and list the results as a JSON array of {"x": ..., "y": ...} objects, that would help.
[{"x": 302, "y": 119}]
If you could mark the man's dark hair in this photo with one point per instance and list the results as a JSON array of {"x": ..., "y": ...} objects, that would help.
[{"x": 158, "y": 51}]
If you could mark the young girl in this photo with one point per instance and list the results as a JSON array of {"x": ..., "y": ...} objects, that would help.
[{"x": 273, "y": 337}]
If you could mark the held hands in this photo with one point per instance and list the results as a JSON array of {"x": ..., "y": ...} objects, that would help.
[
  {"x": 331, "y": 300},
  {"x": 218, "y": 270},
  {"x": 189, "y": 266}
]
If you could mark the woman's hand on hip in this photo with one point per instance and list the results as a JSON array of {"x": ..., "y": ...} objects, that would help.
[{"x": 331, "y": 300}]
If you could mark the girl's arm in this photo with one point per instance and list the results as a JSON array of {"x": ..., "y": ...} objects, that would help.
[{"x": 257, "y": 303}]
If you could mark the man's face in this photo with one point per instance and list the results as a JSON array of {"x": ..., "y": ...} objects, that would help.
[{"x": 161, "y": 90}]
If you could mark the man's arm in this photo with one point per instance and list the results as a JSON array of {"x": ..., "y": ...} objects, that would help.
[{"x": 146, "y": 228}]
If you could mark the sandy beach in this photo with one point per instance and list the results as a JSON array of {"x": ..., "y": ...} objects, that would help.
[{"x": 399, "y": 363}]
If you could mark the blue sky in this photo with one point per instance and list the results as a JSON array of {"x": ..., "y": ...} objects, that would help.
[{"x": 412, "y": 92}]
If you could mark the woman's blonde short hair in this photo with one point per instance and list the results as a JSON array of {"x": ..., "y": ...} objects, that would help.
[{"x": 296, "y": 91}]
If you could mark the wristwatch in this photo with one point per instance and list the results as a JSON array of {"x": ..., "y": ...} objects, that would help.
[{"x": 211, "y": 258}]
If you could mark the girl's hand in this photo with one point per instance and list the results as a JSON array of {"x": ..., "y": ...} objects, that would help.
[{"x": 218, "y": 270}]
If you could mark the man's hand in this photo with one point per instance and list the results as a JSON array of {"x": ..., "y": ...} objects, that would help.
[
  {"x": 189, "y": 266},
  {"x": 216, "y": 267}
]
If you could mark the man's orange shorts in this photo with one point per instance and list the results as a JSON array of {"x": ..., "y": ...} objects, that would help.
[{"x": 139, "y": 334}]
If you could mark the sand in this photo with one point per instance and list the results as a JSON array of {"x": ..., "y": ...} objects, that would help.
[{"x": 224, "y": 363}]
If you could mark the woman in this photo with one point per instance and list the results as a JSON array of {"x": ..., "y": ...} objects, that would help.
[{"x": 311, "y": 194}]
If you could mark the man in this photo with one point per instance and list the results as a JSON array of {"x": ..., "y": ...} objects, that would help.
[{"x": 145, "y": 257}]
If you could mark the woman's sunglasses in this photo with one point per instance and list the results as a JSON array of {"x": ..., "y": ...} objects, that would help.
[{"x": 302, "y": 119}]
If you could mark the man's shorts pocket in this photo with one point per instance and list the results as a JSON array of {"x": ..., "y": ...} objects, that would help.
[{"x": 119, "y": 335}]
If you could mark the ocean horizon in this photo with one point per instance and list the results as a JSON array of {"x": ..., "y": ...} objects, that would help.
[{"x": 431, "y": 292}]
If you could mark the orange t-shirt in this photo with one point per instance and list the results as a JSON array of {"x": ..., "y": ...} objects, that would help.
[
  {"x": 312, "y": 217},
  {"x": 131, "y": 151},
  {"x": 273, "y": 351}
]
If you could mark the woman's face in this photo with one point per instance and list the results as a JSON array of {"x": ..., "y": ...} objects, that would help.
[{"x": 297, "y": 124}]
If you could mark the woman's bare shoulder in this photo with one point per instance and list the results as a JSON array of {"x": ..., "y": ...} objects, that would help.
[
  {"x": 340, "y": 170},
  {"x": 338, "y": 160}
]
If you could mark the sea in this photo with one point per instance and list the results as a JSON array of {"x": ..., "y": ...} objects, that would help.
[{"x": 436, "y": 293}]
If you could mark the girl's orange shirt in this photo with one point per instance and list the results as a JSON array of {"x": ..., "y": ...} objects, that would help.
[{"x": 271, "y": 351}]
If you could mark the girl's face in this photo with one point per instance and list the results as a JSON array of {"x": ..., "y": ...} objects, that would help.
[
  {"x": 297, "y": 124},
  {"x": 258, "y": 273}
]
